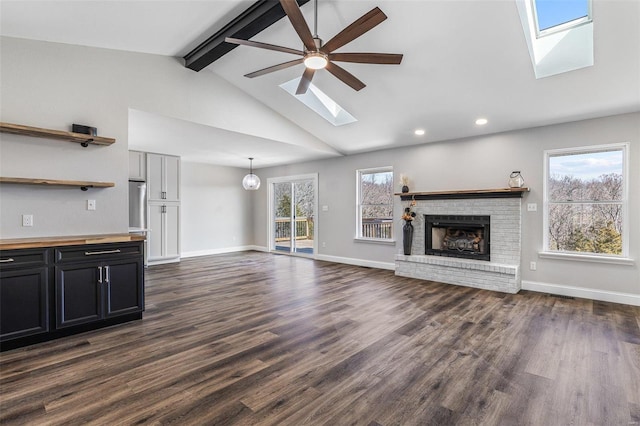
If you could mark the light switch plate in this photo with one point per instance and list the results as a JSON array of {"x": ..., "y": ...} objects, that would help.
[{"x": 91, "y": 204}]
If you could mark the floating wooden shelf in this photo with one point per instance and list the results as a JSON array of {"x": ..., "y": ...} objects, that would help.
[
  {"x": 465, "y": 193},
  {"x": 37, "y": 132},
  {"x": 84, "y": 185}
]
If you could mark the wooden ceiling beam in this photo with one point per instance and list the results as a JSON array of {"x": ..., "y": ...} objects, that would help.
[{"x": 261, "y": 15}]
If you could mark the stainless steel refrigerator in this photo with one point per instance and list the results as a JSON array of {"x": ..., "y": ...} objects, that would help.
[{"x": 137, "y": 206}]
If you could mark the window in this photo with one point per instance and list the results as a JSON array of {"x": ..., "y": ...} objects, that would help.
[
  {"x": 375, "y": 204},
  {"x": 559, "y": 15},
  {"x": 586, "y": 201}
]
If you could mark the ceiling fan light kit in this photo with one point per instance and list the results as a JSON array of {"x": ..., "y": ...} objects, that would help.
[
  {"x": 316, "y": 60},
  {"x": 316, "y": 56}
]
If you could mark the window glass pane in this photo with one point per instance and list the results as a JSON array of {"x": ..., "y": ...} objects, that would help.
[
  {"x": 376, "y": 204},
  {"x": 588, "y": 176},
  {"x": 591, "y": 228},
  {"x": 557, "y": 12}
]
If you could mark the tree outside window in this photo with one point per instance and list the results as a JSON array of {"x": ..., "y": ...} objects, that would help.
[{"x": 586, "y": 200}]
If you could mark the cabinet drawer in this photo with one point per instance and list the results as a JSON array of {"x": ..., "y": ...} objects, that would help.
[
  {"x": 10, "y": 259},
  {"x": 97, "y": 252}
]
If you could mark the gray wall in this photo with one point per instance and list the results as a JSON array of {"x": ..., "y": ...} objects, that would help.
[
  {"x": 216, "y": 215},
  {"x": 53, "y": 85},
  {"x": 474, "y": 163}
]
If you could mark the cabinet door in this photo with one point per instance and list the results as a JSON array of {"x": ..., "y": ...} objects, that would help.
[
  {"x": 172, "y": 178},
  {"x": 163, "y": 237},
  {"x": 78, "y": 294},
  {"x": 137, "y": 165},
  {"x": 24, "y": 302},
  {"x": 124, "y": 288},
  {"x": 154, "y": 235},
  {"x": 155, "y": 177},
  {"x": 172, "y": 231}
]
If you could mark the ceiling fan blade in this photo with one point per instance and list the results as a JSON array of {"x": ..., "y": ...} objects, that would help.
[
  {"x": 345, "y": 76},
  {"x": 294, "y": 14},
  {"x": 360, "y": 26},
  {"x": 367, "y": 58},
  {"x": 274, "y": 68},
  {"x": 263, "y": 45},
  {"x": 305, "y": 81}
]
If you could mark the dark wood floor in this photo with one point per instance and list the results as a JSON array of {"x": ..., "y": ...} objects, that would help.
[{"x": 254, "y": 338}]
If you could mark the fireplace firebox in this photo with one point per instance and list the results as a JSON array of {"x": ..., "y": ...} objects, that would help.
[{"x": 463, "y": 236}]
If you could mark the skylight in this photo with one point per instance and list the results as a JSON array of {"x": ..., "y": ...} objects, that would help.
[
  {"x": 558, "y": 15},
  {"x": 559, "y": 34},
  {"x": 320, "y": 103}
]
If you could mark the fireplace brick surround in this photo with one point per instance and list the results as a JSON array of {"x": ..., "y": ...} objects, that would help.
[{"x": 501, "y": 273}]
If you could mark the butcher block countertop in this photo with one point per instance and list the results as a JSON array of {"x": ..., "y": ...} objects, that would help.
[{"x": 39, "y": 242}]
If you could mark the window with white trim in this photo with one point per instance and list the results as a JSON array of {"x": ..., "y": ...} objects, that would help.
[
  {"x": 375, "y": 204},
  {"x": 586, "y": 201}
]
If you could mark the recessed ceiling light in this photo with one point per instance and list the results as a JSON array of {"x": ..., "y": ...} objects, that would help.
[
  {"x": 419, "y": 132},
  {"x": 481, "y": 121}
]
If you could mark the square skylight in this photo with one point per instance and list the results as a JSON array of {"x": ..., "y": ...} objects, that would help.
[
  {"x": 320, "y": 103},
  {"x": 555, "y": 15}
]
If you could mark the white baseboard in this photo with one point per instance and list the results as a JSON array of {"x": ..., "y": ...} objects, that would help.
[
  {"x": 585, "y": 293},
  {"x": 209, "y": 252},
  {"x": 357, "y": 262},
  {"x": 163, "y": 261}
]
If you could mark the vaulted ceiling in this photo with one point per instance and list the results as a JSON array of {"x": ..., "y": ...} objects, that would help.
[{"x": 462, "y": 60}]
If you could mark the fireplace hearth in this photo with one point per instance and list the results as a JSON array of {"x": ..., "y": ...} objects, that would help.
[{"x": 461, "y": 236}]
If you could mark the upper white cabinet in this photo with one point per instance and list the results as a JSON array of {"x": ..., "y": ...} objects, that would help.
[
  {"x": 137, "y": 165},
  {"x": 163, "y": 177}
]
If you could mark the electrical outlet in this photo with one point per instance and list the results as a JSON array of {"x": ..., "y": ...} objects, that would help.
[
  {"x": 325, "y": 208},
  {"x": 91, "y": 204},
  {"x": 532, "y": 266},
  {"x": 27, "y": 220},
  {"x": 532, "y": 207},
  {"x": 324, "y": 244}
]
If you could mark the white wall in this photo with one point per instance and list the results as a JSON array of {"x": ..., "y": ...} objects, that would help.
[
  {"x": 216, "y": 214},
  {"x": 53, "y": 85},
  {"x": 475, "y": 163}
]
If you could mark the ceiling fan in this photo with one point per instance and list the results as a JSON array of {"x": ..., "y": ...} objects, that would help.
[{"x": 316, "y": 55}]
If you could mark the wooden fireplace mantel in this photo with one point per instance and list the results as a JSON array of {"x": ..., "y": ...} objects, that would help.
[{"x": 464, "y": 193}]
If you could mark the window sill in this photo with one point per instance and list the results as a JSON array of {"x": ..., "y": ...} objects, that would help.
[
  {"x": 587, "y": 258},
  {"x": 374, "y": 241}
]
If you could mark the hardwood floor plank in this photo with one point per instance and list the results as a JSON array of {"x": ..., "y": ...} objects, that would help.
[{"x": 259, "y": 339}]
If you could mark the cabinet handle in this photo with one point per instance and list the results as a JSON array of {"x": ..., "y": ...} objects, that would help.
[
  {"x": 100, "y": 275},
  {"x": 91, "y": 253},
  {"x": 9, "y": 260},
  {"x": 107, "y": 275}
]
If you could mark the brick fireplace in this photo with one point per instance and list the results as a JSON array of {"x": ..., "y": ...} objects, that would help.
[{"x": 499, "y": 271}]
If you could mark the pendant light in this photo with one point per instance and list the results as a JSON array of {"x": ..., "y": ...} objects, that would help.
[{"x": 251, "y": 182}]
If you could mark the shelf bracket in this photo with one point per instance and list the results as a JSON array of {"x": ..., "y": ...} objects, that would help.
[
  {"x": 86, "y": 187},
  {"x": 86, "y": 144}
]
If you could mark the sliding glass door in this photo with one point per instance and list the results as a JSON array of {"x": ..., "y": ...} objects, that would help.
[{"x": 293, "y": 211}]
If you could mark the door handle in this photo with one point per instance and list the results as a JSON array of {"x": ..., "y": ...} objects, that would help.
[
  {"x": 99, "y": 274},
  {"x": 107, "y": 275}
]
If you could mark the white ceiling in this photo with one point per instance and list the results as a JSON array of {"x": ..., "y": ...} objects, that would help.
[{"x": 462, "y": 60}]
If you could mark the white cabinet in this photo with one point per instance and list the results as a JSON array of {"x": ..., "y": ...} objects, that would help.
[
  {"x": 163, "y": 195},
  {"x": 163, "y": 177},
  {"x": 137, "y": 165},
  {"x": 164, "y": 232}
]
